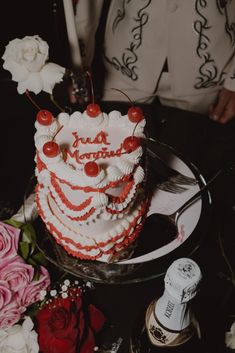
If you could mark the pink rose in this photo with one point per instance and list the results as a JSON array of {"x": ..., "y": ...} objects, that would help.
[
  {"x": 9, "y": 238},
  {"x": 17, "y": 273},
  {"x": 9, "y": 315},
  {"x": 5, "y": 294},
  {"x": 31, "y": 293}
]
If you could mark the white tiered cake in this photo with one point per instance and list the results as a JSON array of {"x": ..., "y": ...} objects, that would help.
[{"x": 90, "y": 191}]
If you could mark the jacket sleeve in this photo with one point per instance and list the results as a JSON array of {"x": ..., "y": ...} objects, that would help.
[{"x": 87, "y": 18}]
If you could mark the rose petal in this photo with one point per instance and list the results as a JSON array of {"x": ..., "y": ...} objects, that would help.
[
  {"x": 19, "y": 72},
  {"x": 5, "y": 294},
  {"x": 27, "y": 324},
  {"x": 9, "y": 239},
  {"x": 51, "y": 74},
  {"x": 34, "y": 84},
  {"x": 88, "y": 344},
  {"x": 229, "y": 340},
  {"x": 232, "y": 328},
  {"x": 97, "y": 318}
]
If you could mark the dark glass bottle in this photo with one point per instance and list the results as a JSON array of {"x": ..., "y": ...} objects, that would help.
[{"x": 169, "y": 323}]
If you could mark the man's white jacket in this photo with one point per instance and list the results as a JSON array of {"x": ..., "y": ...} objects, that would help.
[{"x": 197, "y": 37}]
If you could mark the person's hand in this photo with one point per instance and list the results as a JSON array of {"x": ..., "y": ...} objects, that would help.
[{"x": 224, "y": 109}]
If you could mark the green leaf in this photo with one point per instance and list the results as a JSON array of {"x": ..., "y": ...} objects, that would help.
[
  {"x": 24, "y": 249},
  {"x": 40, "y": 258},
  {"x": 29, "y": 234},
  {"x": 36, "y": 275},
  {"x": 14, "y": 223},
  {"x": 32, "y": 262}
]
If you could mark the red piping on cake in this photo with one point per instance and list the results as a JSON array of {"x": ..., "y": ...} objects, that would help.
[
  {"x": 125, "y": 233},
  {"x": 40, "y": 164},
  {"x": 111, "y": 184},
  {"x": 125, "y": 242},
  {"x": 112, "y": 199},
  {"x": 126, "y": 190},
  {"x": 65, "y": 200},
  {"x": 78, "y": 218}
]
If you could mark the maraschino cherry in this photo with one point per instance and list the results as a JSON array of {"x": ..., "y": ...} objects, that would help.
[
  {"x": 51, "y": 149},
  {"x": 91, "y": 169},
  {"x": 135, "y": 114},
  {"x": 93, "y": 110},
  {"x": 44, "y": 117},
  {"x": 131, "y": 143}
]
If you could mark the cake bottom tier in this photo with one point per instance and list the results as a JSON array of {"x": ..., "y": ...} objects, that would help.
[{"x": 103, "y": 239}]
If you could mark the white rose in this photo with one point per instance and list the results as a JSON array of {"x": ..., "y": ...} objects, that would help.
[
  {"x": 26, "y": 60},
  {"x": 19, "y": 339},
  {"x": 230, "y": 337}
]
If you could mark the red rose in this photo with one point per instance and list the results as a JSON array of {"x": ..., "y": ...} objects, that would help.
[{"x": 64, "y": 325}]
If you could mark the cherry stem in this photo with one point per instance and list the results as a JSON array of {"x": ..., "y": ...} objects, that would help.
[
  {"x": 31, "y": 100},
  {"x": 55, "y": 103},
  {"x": 61, "y": 127},
  {"x": 116, "y": 89},
  {"x": 91, "y": 86},
  {"x": 135, "y": 128}
]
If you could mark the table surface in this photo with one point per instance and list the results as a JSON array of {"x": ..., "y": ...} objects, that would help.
[{"x": 202, "y": 142}]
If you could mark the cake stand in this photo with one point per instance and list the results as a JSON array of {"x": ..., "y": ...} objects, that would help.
[{"x": 157, "y": 245}]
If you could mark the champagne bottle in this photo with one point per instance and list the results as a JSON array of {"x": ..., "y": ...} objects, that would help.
[{"x": 169, "y": 321}]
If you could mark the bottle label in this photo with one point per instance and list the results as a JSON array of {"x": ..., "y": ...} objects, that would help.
[{"x": 160, "y": 335}]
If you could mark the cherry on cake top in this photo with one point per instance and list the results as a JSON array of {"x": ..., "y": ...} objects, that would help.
[
  {"x": 93, "y": 110},
  {"x": 51, "y": 149},
  {"x": 131, "y": 143},
  {"x": 135, "y": 114},
  {"x": 44, "y": 117}
]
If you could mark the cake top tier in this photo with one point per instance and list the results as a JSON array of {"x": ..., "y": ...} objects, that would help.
[{"x": 91, "y": 151}]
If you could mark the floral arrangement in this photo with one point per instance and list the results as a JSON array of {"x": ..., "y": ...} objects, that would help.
[{"x": 34, "y": 316}]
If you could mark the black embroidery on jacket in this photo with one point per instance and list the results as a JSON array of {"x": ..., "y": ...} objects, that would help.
[
  {"x": 233, "y": 75},
  {"x": 222, "y": 3},
  {"x": 127, "y": 64},
  {"x": 209, "y": 75},
  {"x": 120, "y": 14}
]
